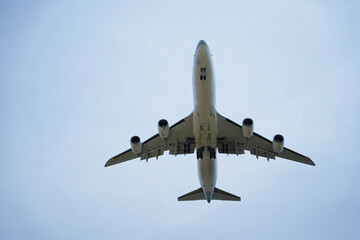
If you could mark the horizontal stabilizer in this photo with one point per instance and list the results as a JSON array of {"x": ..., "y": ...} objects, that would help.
[
  {"x": 198, "y": 194},
  {"x": 222, "y": 195},
  {"x": 218, "y": 194}
]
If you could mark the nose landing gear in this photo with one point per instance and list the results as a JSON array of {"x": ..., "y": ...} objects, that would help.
[{"x": 202, "y": 75}]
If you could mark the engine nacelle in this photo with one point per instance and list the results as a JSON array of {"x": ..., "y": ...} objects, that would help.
[
  {"x": 136, "y": 144},
  {"x": 278, "y": 143},
  {"x": 163, "y": 127},
  {"x": 247, "y": 127}
]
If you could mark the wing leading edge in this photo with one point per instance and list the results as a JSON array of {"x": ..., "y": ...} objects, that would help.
[
  {"x": 180, "y": 141},
  {"x": 232, "y": 141}
]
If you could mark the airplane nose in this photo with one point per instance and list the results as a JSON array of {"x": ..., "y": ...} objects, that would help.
[{"x": 202, "y": 42}]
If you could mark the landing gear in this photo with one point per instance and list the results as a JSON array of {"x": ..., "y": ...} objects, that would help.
[
  {"x": 212, "y": 153},
  {"x": 202, "y": 75},
  {"x": 187, "y": 148},
  {"x": 199, "y": 153}
]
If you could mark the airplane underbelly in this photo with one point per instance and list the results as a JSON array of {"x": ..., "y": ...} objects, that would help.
[
  {"x": 207, "y": 172},
  {"x": 205, "y": 128}
]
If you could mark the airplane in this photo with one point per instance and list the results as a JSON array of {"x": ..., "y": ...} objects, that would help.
[{"x": 209, "y": 133}]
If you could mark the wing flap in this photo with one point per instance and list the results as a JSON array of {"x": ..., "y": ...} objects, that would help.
[
  {"x": 258, "y": 152},
  {"x": 185, "y": 147},
  {"x": 229, "y": 146},
  {"x": 152, "y": 153}
]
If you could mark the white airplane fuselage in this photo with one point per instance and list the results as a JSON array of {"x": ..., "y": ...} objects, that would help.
[{"x": 205, "y": 119}]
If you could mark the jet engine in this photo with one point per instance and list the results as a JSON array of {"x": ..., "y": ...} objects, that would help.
[
  {"x": 163, "y": 127},
  {"x": 136, "y": 144},
  {"x": 247, "y": 127},
  {"x": 278, "y": 143}
]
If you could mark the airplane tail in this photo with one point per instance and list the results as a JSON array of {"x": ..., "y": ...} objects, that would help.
[
  {"x": 218, "y": 194},
  {"x": 222, "y": 195}
]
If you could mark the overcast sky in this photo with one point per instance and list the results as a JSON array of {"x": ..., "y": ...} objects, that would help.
[{"x": 79, "y": 78}]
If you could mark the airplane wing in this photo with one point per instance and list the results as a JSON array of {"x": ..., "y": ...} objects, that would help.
[
  {"x": 181, "y": 140},
  {"x": 232, "y": 141}
]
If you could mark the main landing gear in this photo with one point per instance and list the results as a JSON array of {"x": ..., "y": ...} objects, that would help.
[{"x": 200, "y": 152}]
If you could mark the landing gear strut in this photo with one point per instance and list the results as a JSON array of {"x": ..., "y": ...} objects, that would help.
[
  {"x": 199, "y": 153},
  {"x": 212, "y": 153}
]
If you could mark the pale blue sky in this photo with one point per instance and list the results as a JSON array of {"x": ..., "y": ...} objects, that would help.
[{"x": 79, "y": 78}]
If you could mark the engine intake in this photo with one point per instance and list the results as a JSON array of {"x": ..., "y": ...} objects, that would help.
[
  {"x": 278, "y": 143},
  {"x": 247, "y": 127},
  {"x": 163, "y": 127},
  {"x": 136, "y": 144}
]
